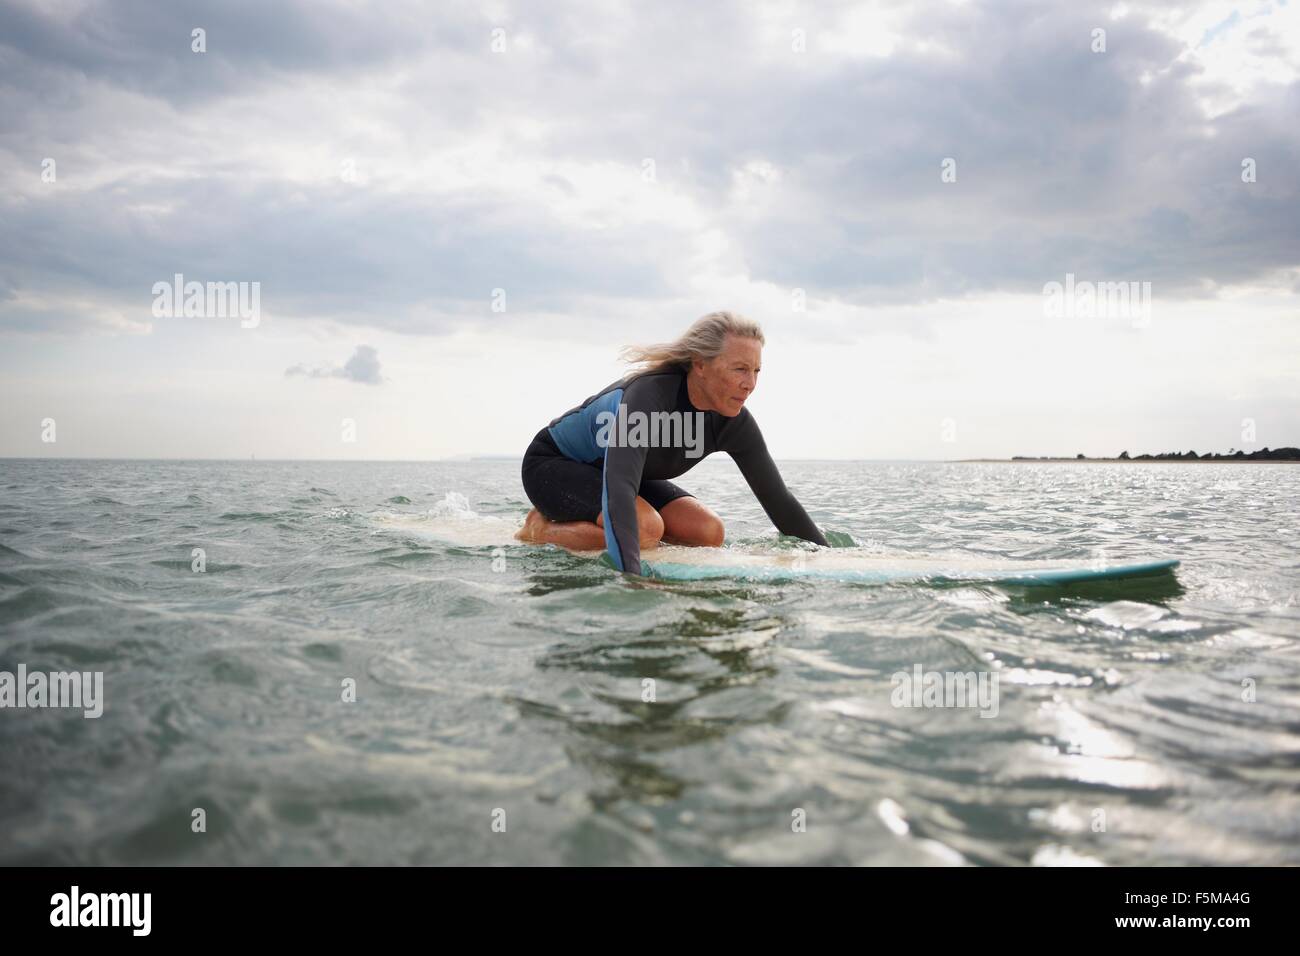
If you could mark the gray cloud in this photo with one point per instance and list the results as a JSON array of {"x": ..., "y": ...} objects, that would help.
[
  {"x": 379, "y": 260},
  {"x": 1067, "y": 161},
  {"x": 145, "y": 47},
  {"x": 362, "y": 367}
]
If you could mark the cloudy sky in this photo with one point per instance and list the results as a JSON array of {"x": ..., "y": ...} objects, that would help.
[{"x": 454, "y": 214}]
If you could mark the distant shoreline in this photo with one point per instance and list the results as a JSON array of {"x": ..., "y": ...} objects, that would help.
[
  {"x": 1287, "y": 454},
  {"x": 1131, "y": 461}
]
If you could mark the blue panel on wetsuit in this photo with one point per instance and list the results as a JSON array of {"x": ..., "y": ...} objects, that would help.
[{"x": 575, "y": 434}]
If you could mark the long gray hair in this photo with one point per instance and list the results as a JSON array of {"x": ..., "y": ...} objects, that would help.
[{"x": 703, "y": 340}]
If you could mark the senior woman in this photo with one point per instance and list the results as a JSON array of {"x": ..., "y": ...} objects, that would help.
[{"x": 598, "y": 476}]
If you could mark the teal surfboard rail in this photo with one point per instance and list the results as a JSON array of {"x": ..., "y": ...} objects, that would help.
[{"x": 670, "y": 571}]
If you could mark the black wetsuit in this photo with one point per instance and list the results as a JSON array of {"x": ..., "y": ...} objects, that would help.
[{"x": 596, "y": 458}]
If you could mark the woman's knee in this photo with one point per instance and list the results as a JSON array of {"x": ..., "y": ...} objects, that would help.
[
  {"x": 688, "y": 521},
  {"x": 650, "y": 524},
  {"x": 703, "y": 529},
  {"x": 711, "y": 533}
]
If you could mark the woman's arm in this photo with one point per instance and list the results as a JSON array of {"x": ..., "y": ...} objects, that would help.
[
  {"x": 750, "y": 453},
  {"x": 622, "y": 476}
]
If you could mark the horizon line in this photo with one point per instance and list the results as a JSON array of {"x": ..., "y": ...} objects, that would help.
[{"x": 462, "y": 459}]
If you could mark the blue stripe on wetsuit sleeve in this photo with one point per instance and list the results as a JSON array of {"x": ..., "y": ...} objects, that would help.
[
  {"x": 611, "y": 542},
  {"x": 611, "y": 536},
  {"x": 619, "y": 552}
]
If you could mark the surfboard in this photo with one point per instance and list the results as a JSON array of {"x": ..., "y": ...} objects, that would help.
[
  {"x": 458, "y": 526},
  {"x": 887, "y": 569}
]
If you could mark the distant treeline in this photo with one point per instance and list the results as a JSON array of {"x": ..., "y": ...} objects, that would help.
[{"x": 1264, "y": 454}]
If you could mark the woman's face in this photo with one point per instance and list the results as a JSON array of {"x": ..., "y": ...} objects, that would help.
[{"x": 728, "y": 379}]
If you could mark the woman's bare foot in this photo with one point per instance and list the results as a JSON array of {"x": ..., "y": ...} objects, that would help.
[
  {"x": 589, "y": 535},
  {"x": 533, "y": 527},
  {"x": 574, "y": 535}
]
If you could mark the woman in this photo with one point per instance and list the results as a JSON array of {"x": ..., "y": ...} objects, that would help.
[{"x": 598, "y": 475}]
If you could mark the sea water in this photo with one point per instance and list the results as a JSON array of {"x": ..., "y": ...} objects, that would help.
[{"x": 289, "y": 679}]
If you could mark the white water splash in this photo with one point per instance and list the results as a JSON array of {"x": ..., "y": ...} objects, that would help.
[{"x": 453, "y": 521}]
